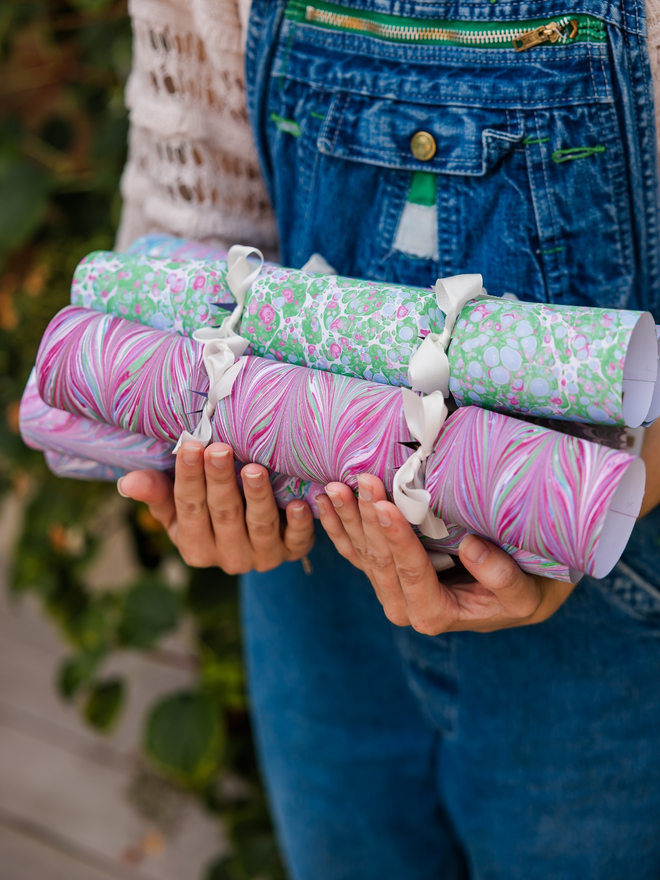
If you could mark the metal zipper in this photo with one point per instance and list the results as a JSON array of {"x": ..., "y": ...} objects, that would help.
[{"x": 517, "y": 35}]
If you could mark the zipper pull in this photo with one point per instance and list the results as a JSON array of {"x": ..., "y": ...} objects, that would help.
[{"x": 546, "y": 33}]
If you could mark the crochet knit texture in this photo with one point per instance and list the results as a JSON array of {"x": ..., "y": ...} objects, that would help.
[{"x": 192, "y": 168}]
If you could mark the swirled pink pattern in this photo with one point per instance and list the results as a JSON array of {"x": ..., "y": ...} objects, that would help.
[
  {"x": 45, "y": 428},
  {"x": 529, "y": 486},
  {"x": 509, "y": 481},
  {"x": 121, "y": 373},
  {"x": 82, "y": 449}
]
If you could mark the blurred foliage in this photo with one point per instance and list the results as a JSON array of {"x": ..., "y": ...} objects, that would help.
[{"x": 63, "y": 127}]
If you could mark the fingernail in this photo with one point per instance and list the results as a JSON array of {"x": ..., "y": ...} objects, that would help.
[
  {"x": 320, "y": 505},
  {"x": 383, "y": 517},
  {"x": 119, "y": 489},
  {"x": 364, "y": 490},
  {"x": 335, "y": 497},
  {"x": 220, "y": 459},
  {"x": 298, "y": 512},
  {"x": 190, "y": 453},
  {"x": 473, "y": 549},
  {"x": 254, "y": 480}
]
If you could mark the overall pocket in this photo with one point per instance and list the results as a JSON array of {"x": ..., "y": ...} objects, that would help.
[{"x": 502, "y": 136}]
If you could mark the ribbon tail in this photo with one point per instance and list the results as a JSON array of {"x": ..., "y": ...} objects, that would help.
[
  {"x": 425, "y": 417},
  {"x": 433, "y": 527},
  {"x": 222, "y": 369},
  {"x": 440, "y": 561}
]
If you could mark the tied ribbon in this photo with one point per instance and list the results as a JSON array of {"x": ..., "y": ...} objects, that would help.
[
  {"x": 220, "y": 362},
  {"x": 223, "y": 345},
  {"x": 428, "y": 370},
  {"x": 425, "y": 416},
  {"x": 240, "y": 278}
]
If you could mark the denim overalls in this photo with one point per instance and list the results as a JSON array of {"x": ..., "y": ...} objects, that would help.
[{"x": 407, "y": 141}]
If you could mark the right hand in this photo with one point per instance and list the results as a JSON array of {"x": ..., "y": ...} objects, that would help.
[{"x": 210, "y": 522}]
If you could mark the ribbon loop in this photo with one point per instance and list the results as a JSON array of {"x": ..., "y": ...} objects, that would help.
[
  {"x": 425, "y": 417},
  {"x": 428, "y": 370},
  {"x": 240, "y": 278}
]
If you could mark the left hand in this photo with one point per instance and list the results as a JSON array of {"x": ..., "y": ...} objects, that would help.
[{"x": 374, "y": 535}]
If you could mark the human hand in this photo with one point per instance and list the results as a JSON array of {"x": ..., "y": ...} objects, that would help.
[
  {"x": 206, "y": 517},
  {"x": 374, "y": 535}
]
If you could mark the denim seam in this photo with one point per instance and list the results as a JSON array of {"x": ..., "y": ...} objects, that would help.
[
  {"x": 395, "y": 160},
  {"x": 339, "y": 120},
  {"x": 310, "y": 200},
  {"x": 561, "y": 286},
  {"x": 548, "y": 272},
  {"x": 627, "y": 259},
  {"x": 454, "y": 100},
  {"x": 650, "y": 176}
]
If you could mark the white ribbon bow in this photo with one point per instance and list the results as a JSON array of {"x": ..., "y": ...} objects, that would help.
[
  {"x": 222, "y": 345},
  {"x": 425, "y": 416},
  {"x": 428, "y": 369}
]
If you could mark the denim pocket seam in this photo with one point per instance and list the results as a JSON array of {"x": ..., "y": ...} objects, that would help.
[
  {"x": 455, "y": 101},
  {"x": 650, "y": 618}
]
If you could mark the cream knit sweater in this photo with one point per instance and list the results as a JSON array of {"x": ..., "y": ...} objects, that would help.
[{"x": 192, "y": 168}]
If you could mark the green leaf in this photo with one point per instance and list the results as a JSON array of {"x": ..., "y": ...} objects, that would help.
[
  {"x": 184, "y": 738},
  {"x": 150, "y": 610},
  {"x": 212, "y": 595},
  {"x": 23, "y": 199},
  {"x": 104, "y": 704},
  {"x": 221, "y": 869},
  {"x": 74, "y": 672},
  {"x": 91, "y": 6}
]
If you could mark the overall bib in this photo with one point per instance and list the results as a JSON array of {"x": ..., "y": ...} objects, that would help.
[{"x": 406, "y": 141}]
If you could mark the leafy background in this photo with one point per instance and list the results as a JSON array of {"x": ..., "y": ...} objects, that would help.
[{"x": 63, "y": 126}]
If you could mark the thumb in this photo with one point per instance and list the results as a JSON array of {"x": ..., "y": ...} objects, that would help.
[
  {"x": 519, "y": 593},
  {"x": 153, "y": 488}
]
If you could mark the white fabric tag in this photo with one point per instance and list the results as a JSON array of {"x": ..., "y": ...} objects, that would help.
[
  {"x": 425, "y": 417},
  {"x": 318, "y": 264},
  {"x": 417, "y": 232}
]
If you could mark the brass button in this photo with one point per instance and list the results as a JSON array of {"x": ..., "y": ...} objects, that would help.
[{"x": 423, "y": 146}]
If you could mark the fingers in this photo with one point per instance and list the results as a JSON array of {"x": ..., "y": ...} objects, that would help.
[
  {"x": 153, "y": 488},
  {"x": 430, "y": 607},
  {"x": 299, "y": 531},
  {"x": 226, "y": 510},
  {"x": 194, "y": 534},
  {"x": 336, "y": 531},
  {"x": 379, "y": 556},
  {"x": 262, "y": 518},
  {"x": 518, "y": 594},
  {"x": 346, "y": 507}
]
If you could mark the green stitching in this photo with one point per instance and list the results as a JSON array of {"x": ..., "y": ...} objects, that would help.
[
  {"x": 289, "y": 126},
  {"x": 423, "y": 186},
  {"x": 317, "y": 115},
  {"x": 530, "y": 141},
  {"x": 576, "y": 153},
  {"x": 556, "y": 250}
]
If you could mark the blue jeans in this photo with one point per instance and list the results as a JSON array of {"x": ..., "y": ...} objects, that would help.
[
  {"x": 526, "y": 753},
  {"x": 389, "y": 755}
]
